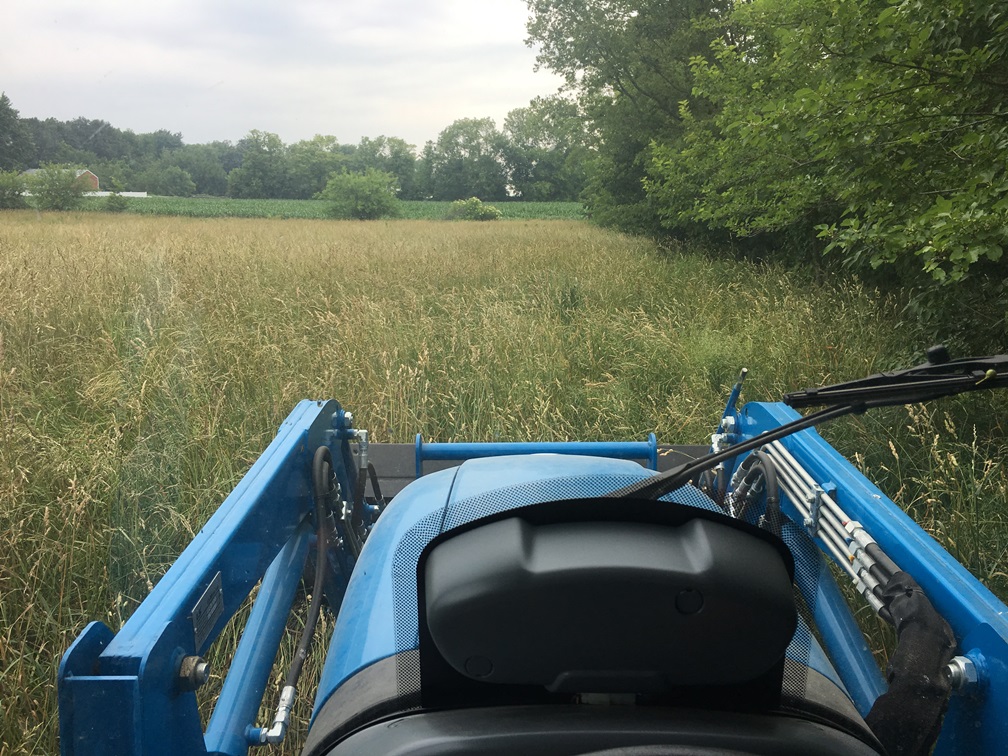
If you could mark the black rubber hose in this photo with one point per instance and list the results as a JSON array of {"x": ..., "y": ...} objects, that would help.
[
  {"x": 722, "y": 482},
  {"x": 773, "y": 511},
  {"x": 882, "y": 559},
  {"x": 879, "y": 574},
  {"x": 747, "y": 476},
  {"x": 759, "y": 464},
  {"x": 376, "y": 487},
  {"x": 321, "y": 474},
  {"x": 656, "y": 486}
]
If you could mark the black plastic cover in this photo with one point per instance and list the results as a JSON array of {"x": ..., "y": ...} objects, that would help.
[{"x": 602, "y": 605}]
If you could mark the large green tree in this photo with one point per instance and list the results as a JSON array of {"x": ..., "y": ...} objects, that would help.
[
  {"x": 391, "y": 155},
  {"x": 628, "y": 63},
  {"x": 886, "y": 123},
  {"x": 202, "y": 163},
  {"x": 466, "y": 161},
  {"x": 16, "y": 146},
  {"x": 545, "y": 151},
  {"x": 264, "y": 169},
  {"x": 310, "y": 162}
]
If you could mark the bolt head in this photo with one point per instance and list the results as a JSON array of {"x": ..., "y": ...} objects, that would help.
[
  {"x": 962, "y": 672},
  {"x": 193, "y": 672},
  {"x": 201, "y": 673}
]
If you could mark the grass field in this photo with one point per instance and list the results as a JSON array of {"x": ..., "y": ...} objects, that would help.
[
  {"x": 225, "y": 207},
  {"x": 146, "y": 361}
]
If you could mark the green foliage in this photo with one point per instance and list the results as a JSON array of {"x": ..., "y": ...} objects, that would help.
[
  {"x": 629, "y": 63},
  {"x": 56, "y": 187},
  {"x": 361, "y": 196},
  {"x": 204, "y": 165},
  {"x": 883, "y": 123},
  {"x": 544, "y": 150},
  {"x": 12, "y": 189},
  {"x": 15, "y": 139},
  {"x": 541, "y": 158},
  {"x": 472, "y": 209},
  {"x": 391, "y": 155},
  {"x": 875, "y": 130},
  {"x": 264, "y": 170},
  {"x": 166, "y": 180},
  {"x": 466, "y": 161},
  {"x": 310, "y": 163},
  {"x": 116, "y": 203},
  {"x": 96, "y": 143}
]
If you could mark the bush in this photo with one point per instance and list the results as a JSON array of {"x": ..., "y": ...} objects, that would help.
[
  {"x": 116, "y": 203},
  {"x": 361, "y": 196},
  {"x": 55, "y": 187},
  {"x": 472, "y": 209},
  {"x": 12, "y": 189},
  {"x": 167, "y": 181}
]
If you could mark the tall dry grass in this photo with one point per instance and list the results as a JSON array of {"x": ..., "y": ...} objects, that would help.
[{"x": 145, "y": 362}]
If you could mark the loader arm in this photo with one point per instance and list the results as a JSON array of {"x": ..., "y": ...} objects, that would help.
[{"x": 134, "y": 691}]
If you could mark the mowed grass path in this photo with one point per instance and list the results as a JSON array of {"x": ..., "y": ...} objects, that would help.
[{"x": 145, "y": 362}]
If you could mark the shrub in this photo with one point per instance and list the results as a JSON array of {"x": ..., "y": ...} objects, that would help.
[
  {"x": 55, "y": 187},
  {"x": 116, "y": 203},
  {"x": 361, "y": 196},
  {"x": 167, "y": 181},
  {"x": 12, "y": 189},
  {"x": 472, "y": 209}
]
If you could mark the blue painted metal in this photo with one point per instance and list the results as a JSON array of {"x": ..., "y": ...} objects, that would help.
[
  {"x": 647, "y": 450},
  {"x": 120, "y": 693},
  {"x": 365, "y": 627},
  {"x": 974, "y": 723},
  {"x": 242, "y": 692},
  {"x": 849, "y": 652},
  {"x": 731, "y": 406}
]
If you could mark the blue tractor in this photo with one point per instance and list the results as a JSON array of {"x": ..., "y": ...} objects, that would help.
[{"x": 566, "y": 598}]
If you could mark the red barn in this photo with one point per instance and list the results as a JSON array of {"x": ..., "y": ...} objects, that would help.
[{"x": 88, "y": 179}]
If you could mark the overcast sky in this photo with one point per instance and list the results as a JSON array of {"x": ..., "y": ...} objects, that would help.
[{"x": 216, "y": 69}]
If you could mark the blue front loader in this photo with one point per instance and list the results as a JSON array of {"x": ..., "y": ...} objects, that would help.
[{"x": 506, "y": 604}]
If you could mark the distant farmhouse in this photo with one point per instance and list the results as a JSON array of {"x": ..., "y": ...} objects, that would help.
[
  {"x": 88, "y": 182},
  {"x": 84, "y": 176}
]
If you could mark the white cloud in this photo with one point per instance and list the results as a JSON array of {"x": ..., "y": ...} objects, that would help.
[{"x": 215, "y": 69}]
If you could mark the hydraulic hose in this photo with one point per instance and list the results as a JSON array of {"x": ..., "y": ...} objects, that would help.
[
  {"x": 657, "y": 486},
  {"x": 321, "y": 476},
  {"x": 773, "y": 511},
  {"x": 757, "y": 464},
  {"x": 882, "y": 559}
]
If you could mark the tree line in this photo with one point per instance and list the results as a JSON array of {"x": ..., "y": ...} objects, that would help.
[
  {"x": 538, "y": 154},
  {"x": 873, "y": 130}
]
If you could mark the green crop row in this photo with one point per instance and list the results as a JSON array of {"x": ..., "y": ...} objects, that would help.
[{"x": 224, "y": 207}]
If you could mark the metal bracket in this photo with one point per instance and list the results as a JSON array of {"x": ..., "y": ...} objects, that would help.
[{"x": 814, "y": 503}]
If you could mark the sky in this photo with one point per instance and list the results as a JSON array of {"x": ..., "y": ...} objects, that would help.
[{"x": 216, "y": 69}]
